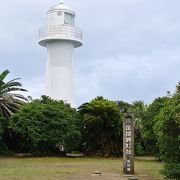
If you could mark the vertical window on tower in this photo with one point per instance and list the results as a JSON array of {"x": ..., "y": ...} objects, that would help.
[{"x": 69, "y": 19}]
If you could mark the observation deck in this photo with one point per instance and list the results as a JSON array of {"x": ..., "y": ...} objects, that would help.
[{"x": 60, "y": 32}]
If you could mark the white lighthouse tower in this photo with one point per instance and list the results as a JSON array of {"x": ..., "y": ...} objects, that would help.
[{"x": 60, "y": 37}]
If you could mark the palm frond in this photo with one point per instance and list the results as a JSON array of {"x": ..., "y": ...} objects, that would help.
[
  {"x": 10, "y": 101},
  {"x": 11, "y": 89},
  {"x": 3, "y": 75}
]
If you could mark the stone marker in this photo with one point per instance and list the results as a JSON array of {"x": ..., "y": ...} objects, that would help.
[{"x": 128, "y": 143}]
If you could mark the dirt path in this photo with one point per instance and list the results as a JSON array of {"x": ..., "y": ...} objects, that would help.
[{"x": 106, "y": 177}]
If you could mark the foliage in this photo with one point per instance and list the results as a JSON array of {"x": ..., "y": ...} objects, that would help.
[
  {"x": 123, "y": 106},
  {"x": 139, "y": 110},
  {"x": 6, "y": 135},
  {"x": 102, "y": 124},
  {"x": 171, "y": 171},
  {"x": 138, "y": 149},
  {"x": 9, "y": 100},
  {"x": 1, "y": 127},
  {"x": 1, "y": 132},
  {"x": 167, "y": 130},
  {"x": 148, "y": 123},
  {"x": 45, "y": 124},
  {"x": 178, "y": 88}
]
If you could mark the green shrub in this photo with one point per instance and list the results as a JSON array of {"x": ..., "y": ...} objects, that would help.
[
  {"x": 167, "y": 129},
  {"x": 148, "y": 123},
  {"x": 138, "y": 150},
  {"x": 171, "y": 171},
  {"x": 4, "y": 149},
  {"x": 44, "y": 126},
  {"x": 1, "y": 132}
]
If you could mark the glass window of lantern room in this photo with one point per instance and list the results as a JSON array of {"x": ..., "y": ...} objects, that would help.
[{"x": 69, "y": 19}]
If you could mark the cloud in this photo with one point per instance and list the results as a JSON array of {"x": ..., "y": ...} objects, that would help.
[
  {"x": 129, "y": 77},
  {"x": 131, "y": 47}
]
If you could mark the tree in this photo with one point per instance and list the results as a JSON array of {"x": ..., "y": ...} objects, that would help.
[
  {"x": 178, "y": 88},
  {"x": 148, "y": 123},
  {"x": 10, "y": 101},
  {"x": 139, "y": 109},
  {"x": 102, "y": 124},
  {"x": 3, "y": 147},
  {"x": 123, "y": 106},
  {"x": 1, "y": 132},
  {"x": 44, "y": 125},
  {"x": 167, "y": 129}
]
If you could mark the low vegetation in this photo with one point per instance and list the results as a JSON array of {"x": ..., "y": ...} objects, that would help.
[{"x": 75, "y": 168}]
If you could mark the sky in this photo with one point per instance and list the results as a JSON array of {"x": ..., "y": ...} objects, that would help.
[{"x": 131, "y": 48}]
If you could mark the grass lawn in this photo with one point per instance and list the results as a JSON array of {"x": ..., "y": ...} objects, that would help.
[{"x": 75, "y": 169}]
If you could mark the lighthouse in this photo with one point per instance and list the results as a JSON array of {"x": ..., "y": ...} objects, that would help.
[{"x": 60, "y": 37}]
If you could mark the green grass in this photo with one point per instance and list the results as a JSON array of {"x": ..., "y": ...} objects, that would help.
[{"x": 69, "y": 168}]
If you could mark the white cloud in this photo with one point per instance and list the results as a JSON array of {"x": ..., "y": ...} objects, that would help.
[
  {"x": 131, "y": 47},
  {"x": 130, "y": 77}
]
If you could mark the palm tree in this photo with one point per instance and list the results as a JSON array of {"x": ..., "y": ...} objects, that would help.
[
  {"x": 102, "y": 126},
  {"x": 10, "y": 99}
]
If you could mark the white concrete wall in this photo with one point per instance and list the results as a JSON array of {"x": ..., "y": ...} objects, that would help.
[
  {"x": 59, "y": 75},
  {"x": 55, "y": 18}
]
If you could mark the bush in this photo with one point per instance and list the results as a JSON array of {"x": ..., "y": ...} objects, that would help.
[
  {"x": 148, "y": 123},
  {"x": 102, "y": 127},
  {"x": 4, "y": 149},
  {"x": 171, "y": 171},
  {"x": 45, "y": 125},
  {"x": 167, "y": 129},
  {"x": 3, "y": 128},
  {"x": 1, "y": 132},
  {"x": 138, "y": 150}
]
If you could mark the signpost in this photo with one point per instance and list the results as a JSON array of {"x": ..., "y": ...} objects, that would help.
[{"x": 128, "y": 143}]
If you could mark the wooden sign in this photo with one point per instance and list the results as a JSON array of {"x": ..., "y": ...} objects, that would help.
[{"x": 128, "y": 143}]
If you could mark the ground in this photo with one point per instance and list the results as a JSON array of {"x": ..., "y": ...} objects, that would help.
[{"x": 75, "y": 169}]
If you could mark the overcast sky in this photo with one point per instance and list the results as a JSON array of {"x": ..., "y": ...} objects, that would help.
[{"x": 131, "y": 48}]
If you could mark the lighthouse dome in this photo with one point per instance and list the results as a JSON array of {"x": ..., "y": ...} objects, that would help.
[
  {"x": 62, "y": 7},
  {"x": 60, "y": 26}
]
